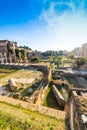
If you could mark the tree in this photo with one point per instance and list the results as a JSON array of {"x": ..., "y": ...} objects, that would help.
[
  {"x": 71, "y": 56},
  {"x": 22, "y": 54},
  {"x": 25, "y": 47},
  {"x": 81, "y": 61},
  {"x": 59, "y": 58},
  {"x": 35, "y": 59},
  {"x": 17, "y": 52},
  {"x": 9, "y": 48}
]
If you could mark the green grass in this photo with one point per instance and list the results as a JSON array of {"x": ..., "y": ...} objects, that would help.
[
  {"x": 17, "y": 118},
  {"x": 8, "y": 121},
  {"x": 50, "y": 100},
  {"x": 5, "y": 72},
  {"x": 24, "y": 92}
]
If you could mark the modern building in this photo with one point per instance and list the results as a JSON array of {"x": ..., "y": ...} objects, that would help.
[
  {"x": 81, "y": 51},
  {"x": 84, "y": 50}
]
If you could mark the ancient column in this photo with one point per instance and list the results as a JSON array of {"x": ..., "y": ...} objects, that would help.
[
  {"x": 15, "y": 59},
  {"x": 10, "y": 58},
  {"x": 20, "y": 60},
  {"x": 0, "y": 57},
  {"x": 5, "y": 56},
  {"x": 25, "y": 55},
  {"x": 14, "y": 54}
]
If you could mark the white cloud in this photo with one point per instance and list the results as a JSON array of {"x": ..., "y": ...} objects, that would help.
[
  {"x": 54, "y": 30},
  {"x": 51, "y": 17},
  {"x": 69, "y": 27}
]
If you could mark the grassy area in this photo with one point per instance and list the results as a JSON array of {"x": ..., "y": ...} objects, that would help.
[
  {"x": 14, "y": 118},
  {"x": 17, "y": 74},
  {"x": 34, "y": 86},
  {"x": 6, "y": 71},
  {"x": 24, "y": 80},
  {"x": 50, "y": 100}
]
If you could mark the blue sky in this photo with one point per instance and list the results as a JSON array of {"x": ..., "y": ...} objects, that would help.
[{"x": 44, "y": 24}]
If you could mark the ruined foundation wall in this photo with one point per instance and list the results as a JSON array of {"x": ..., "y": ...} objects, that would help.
[
  {"x": 43, "y": 68},
  {"x": 78, "y": 122}
]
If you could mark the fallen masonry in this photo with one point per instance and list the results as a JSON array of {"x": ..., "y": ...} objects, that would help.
[{"x": 58, "y": 96}]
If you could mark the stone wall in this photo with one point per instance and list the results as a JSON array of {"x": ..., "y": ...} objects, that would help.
[
  {"x": 77, "y": 121},
  {"x": 43, "y": 68},
  {"x": 33, "y": 107}
]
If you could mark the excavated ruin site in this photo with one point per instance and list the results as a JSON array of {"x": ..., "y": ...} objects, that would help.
[{"x": 58, "y": 94}]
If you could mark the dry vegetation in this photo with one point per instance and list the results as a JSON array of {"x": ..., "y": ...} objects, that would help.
[{"x": 17, "y": 74}]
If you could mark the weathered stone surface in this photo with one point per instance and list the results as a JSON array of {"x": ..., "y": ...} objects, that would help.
[
  {"x": 58, "y": 96},
  {"x": 20, "y": 59},
  {"x": 12, "y": 84},
  {"x": 10, "y": 58},
  {"x": 16, "y": 95},
  {"x": 30, "y": 90},
  {"x": 5, "y": 56},
  {"x": 78, "y": 111}
]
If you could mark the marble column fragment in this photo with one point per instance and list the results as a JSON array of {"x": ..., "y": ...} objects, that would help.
[
  {"x": 10, "y": 58},
  {"x": 1, "y": 57},
  {"x": 15, "y": 58},
  {"x": 20, "y": 59},
  {"x": 25, "y": 55},
  {"x": 5, "y": 56}
]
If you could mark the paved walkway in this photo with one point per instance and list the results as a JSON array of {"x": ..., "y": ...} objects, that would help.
[{"x": 41, "y": 109}]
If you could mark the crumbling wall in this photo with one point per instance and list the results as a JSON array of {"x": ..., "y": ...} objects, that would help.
[
  {"x": 43, "y": 68},
  {"x": 77, "y": 113}
]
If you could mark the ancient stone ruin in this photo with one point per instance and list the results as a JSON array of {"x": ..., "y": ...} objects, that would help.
[
  {"x": 12, "y": 84},
  {"x": 77, "y": 113},
  {"x": 58, "y": 96}
]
